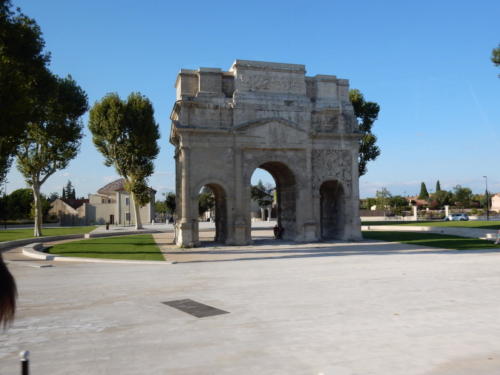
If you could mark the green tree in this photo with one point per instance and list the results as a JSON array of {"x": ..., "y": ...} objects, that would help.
[
  {"x": 367, "y": 113},
  {"x": 206, "y": 201},
  {"x": 367, "y": 203},
  {"x": 370, "y": 202},
  {"x": 441, "y": 198},
  {"x": 4, "y": 213},
  {"x": 485, "y": 199},
  {"x": 161, "y": 208},
  {"x": 19, "y": 204},
  {"x": 69, "y": 191},
  {"x": 53, "y": 141},
  {"x": 398, "y": 204},
  {"x": 481, "y": 199},
  {"x": 170, "y": 203},
  {"x": 262, "y": 194},
  {"x": 126, "y": 133},
  {"x": 462, "y": 196},
  {"x": 25, "y": 82},
  {"x": 52, "y": 197},
  {"x": 383, "y": 197},
  {"x": 438, "y": 186},
  {"x": 495, "y": 56},
  {"x": 424, "y": 194}
]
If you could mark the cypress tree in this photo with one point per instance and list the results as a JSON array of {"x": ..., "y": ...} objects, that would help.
[
  {"x": 424, "y": 194},
  {"x": 438, "y": 186}
]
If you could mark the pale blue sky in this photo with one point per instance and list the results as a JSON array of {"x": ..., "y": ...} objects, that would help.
[{"x": 426, "y": 63}]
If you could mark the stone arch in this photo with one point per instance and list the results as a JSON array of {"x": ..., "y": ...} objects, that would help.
[
  {"x": 286, "y": 188},
  {"x": 332, "y": 210},
  {"x": 221, "y": 208},
  {"x": 225, "y": 124}
]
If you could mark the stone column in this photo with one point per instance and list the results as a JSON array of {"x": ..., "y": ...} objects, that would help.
[
  {"x": 446, "y": 210},
  {"x": 184, "y": 226},
  {"x": 310, "y": 226},
  {"x": 415, "y": 215},
  {"x": 242, "y": 223},
  {"x": 354, "y": 226}
]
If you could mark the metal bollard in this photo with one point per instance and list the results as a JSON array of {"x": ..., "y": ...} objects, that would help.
[{"x": 25, "y": 362}]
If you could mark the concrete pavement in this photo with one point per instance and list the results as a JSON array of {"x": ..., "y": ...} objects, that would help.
[{"x": 351, "y": 308}]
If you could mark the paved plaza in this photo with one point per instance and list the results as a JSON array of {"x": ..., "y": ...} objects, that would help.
[{"x": 322, "y": 308}]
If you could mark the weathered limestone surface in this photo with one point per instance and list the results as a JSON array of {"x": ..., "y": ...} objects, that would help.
[{"x": 301, "y": 129}]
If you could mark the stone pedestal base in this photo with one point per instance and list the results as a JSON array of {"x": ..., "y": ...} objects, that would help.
[
  {"x": 185, "y": 234},
  {"x": 241, "y": 233},
  {"x": 310, "y": 232},
  {"x": 356, "y": 235}
]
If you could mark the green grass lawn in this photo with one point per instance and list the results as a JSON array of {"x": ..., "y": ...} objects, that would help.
[
  {"x": 443, "y": 241},
  {"x": 461, "y": 224},
  {"x": 136, "y": 247},
  {"x": 18, "y": 234}
]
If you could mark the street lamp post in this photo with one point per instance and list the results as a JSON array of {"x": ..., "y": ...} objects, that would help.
[
  {"x": 6, "y": 214},
  {"x": 487, "y": 200}
]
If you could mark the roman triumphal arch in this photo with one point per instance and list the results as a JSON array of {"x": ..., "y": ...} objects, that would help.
[{"x": 300, "y": 129}]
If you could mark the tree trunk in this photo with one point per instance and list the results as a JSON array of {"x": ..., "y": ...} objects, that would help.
[
  {"x": 38, "y": 210},
  {"x": 138, "y": 223}
]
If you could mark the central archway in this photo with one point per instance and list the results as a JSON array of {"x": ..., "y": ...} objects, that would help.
[{"x": 286, "y": 196}]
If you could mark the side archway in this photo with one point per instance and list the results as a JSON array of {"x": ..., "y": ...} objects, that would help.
[
  {"x": 220, "y": 210},
  {"x": 332, "y": 210},
  {"x": 286, "y": 196}
]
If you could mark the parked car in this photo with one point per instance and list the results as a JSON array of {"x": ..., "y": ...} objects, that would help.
[{"x": 457, "y": 217}]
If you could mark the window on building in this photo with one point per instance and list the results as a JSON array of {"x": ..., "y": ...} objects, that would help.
[
  {"x": 127, "y": 201},
  {"x": 127, "y": 217}
]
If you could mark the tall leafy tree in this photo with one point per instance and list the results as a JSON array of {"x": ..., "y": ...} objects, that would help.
[
  {"x": 206, "y": 201},
  {"x": 160, "y": 207},
  {"x": 398, "y": 204},
  {"x": 170, "y": 203},
  {"x": 367, "y": 113},
  {"x": 462, "y": 196},
  {"x": 52, "y": 197},
  {"x": 424, "y": 194},
  {"x": 126, "y": 133},
  {"x": 383, "y": 197},
  {"x": 262, "y": 194},
  {"x": 441, "y": 198},
  {"x": 53, "y": 141},
  {"x": 368, "y": 203},
  {"x": 438, "y": 186},
  {"x": 19, "y": 204},
  {"x": 25, "y": 82},
  {"x": 69, "y": 191}
]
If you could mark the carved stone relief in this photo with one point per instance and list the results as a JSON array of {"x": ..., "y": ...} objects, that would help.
[{"x": 332, "y": 165}]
